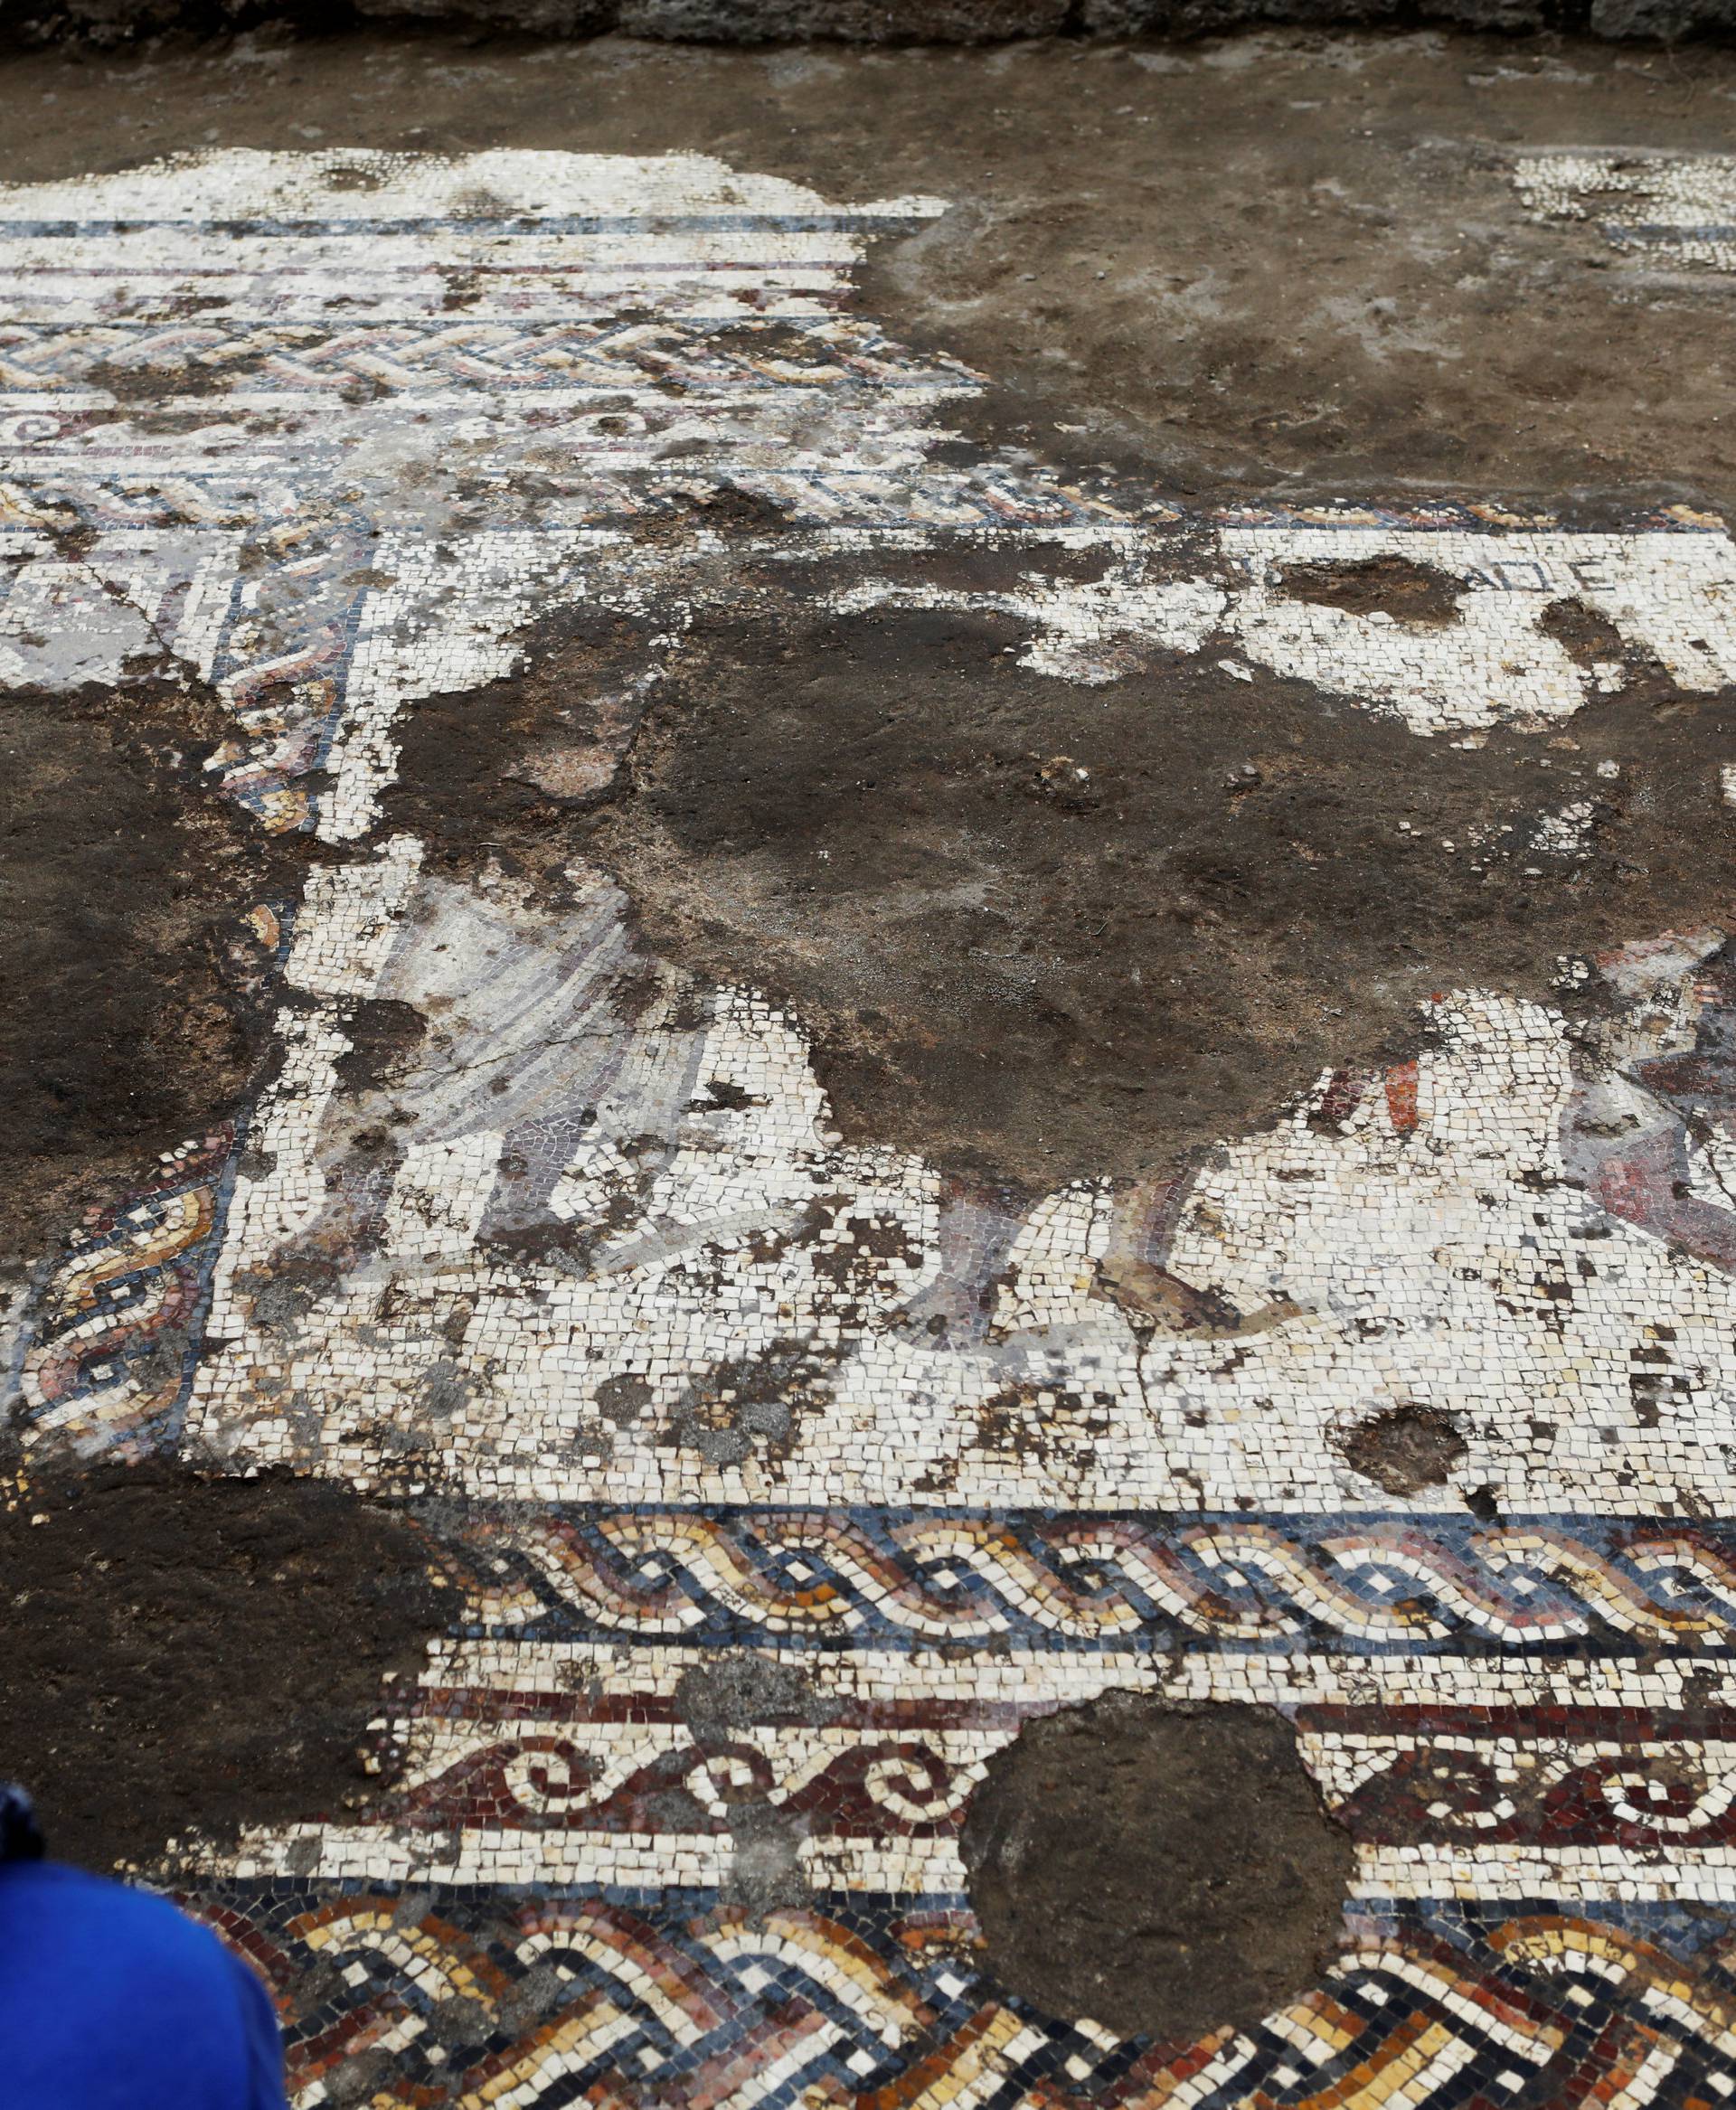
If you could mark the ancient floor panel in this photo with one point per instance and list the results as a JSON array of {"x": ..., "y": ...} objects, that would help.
[{"x": 785, "y": 1469}]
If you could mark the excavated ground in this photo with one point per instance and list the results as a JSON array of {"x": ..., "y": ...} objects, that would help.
[
  {"x": 132, "y": 989},
  {"x": 188, "y": 1655},
  {"x": 1285, "y": 265}
]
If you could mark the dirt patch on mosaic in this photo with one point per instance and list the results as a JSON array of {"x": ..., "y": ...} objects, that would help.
[
  {"x": 723, "y": 1703},
  {"x": 1586, "y": 635},
  {"x": 1405, "y": 1449},
  {"x": 1048, "y": 931},
  {"x": 385, "y": 1035},
  {"x": 489, "y": 775},
  {"x": 132, "y": 992},
  {"x": 1166, "y": 1872},
  {"x": 1385, "y": 585},
  {"x": 741, "y": 1407},
  {"x": 184, "y": 1652}
]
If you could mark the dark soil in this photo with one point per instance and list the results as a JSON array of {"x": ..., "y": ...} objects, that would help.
[
  {"x": 1046, "y": 931},
  {"x": 1406, "y": 1449},
  {"x": 488, "y": 775},
  {"x": 184, "y": 1653},
  {"x": 1392, "y": 586},
  {"x": 384, "y": 1036},
  {"x": 1166, "y": 1872},
  {"x": 132, "y": 995}
]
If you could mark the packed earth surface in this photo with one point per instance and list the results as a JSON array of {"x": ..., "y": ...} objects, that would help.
[{"x": 868, "y": 923}]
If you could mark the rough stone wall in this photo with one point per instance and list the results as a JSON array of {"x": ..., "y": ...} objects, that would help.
[{"x": 108, "y": 21}]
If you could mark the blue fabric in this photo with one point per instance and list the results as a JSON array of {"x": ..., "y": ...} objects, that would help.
[{"x": 112, "y": 2000}]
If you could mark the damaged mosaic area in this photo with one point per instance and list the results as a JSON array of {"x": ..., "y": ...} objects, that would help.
[
  {"x": 1661, "y": 211},
  {"x": 786, "y": 1473}
]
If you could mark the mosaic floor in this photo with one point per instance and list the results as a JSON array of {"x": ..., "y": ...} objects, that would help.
[{"x": 424, "y": 402}]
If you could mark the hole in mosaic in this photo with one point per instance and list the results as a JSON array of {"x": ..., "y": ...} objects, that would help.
[
  {"x": 1379, "y": 586},
  {"x": 1164, "y": 1871},
  {"x": 1404, "y": 1449}
]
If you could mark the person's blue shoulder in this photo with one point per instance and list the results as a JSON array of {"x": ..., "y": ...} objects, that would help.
[{"x": 111, "y": 1999}]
